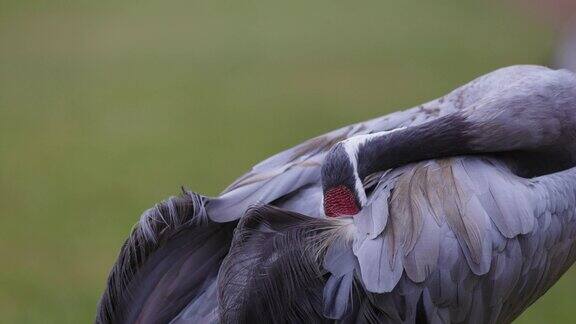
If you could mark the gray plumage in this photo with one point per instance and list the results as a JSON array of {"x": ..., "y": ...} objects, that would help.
[
  {"x": 506, "y": 252},
  {"x": 469, "y": 218},
  {"x": 169, "y": 261}
]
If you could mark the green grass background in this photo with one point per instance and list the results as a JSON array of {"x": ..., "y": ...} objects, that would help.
[{"x": 107, "y": 107}]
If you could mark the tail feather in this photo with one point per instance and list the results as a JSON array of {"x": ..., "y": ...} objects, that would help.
[{"x": 170, "y": 258}]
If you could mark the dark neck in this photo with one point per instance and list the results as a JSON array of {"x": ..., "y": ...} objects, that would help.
[
  {"x": 453, "y": 135},
  {"x": 443, "y": 137}
]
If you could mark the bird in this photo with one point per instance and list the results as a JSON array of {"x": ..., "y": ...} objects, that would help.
[{"x": 459, "y": 210}]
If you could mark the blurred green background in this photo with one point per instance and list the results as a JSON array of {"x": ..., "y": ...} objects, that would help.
[{"x": 107, "y": 107}]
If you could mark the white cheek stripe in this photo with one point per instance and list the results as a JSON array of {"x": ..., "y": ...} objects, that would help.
[{"x": 351, "y": 147}]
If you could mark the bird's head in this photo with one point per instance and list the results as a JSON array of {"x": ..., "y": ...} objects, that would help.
[
  {"x": 347, "y": 164},
  {"x": 344, "y": 193}
]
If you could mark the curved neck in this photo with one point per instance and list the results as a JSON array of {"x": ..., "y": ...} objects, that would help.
[
  {"x": 533, "y": 117},
  {"x": 446, "y": 136}
]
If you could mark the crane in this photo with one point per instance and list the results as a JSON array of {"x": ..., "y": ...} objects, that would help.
[{"x": 459, "y": 210}]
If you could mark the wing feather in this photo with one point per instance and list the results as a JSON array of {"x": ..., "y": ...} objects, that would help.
[{"x": 489, "y": 243}]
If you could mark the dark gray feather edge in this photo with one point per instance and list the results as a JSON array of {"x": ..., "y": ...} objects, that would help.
[
  {"x": 155, "y": 227},
  {"x": 275, "y": 273},
  {"x": 268, "y": 276}
]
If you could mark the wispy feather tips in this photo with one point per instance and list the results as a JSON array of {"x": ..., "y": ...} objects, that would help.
[{"x": 156, "y": 226}]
